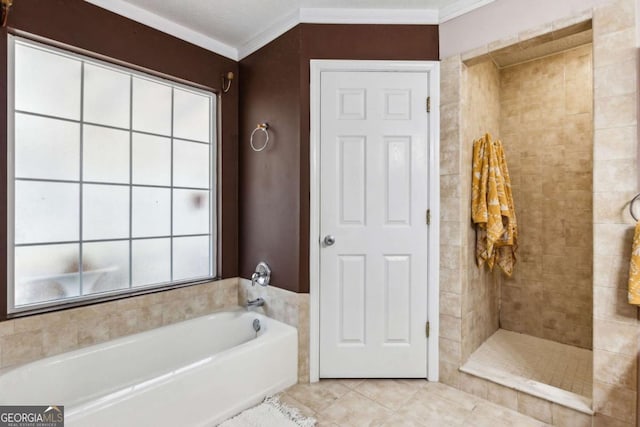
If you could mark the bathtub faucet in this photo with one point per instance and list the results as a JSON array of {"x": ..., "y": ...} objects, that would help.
[{"x": 258, "y": 302}]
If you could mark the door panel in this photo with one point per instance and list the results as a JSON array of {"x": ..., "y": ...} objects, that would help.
[{"x": 373, "y": 201}]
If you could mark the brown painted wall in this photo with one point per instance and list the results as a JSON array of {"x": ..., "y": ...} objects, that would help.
[
  {"x": 280, "y": 234},
  {"x": 80, "y": 24},
  {"x": 269, "y": 184}
]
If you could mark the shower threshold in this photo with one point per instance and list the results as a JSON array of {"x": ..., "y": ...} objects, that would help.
[{"x": 552, "y": 371}]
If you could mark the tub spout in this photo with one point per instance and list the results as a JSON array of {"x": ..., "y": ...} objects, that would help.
[{"x": 258, "y": 302}]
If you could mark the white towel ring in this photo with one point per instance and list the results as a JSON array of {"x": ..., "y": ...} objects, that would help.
[
  {"x": 635, "y": 199},
  {"x": 264, "y": 127}
]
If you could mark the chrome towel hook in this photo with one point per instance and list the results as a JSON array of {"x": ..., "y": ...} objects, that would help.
[
  {"x": 635, "y": 199},
  {"x": 264, "y": 127}
]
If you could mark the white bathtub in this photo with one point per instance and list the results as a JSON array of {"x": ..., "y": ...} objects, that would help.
[{"x": 193, "y": 373}]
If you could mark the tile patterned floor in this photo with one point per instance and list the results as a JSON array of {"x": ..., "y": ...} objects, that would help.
[
  {"x": 549, "y": 362},
  {"x": 397, "y": 403}
]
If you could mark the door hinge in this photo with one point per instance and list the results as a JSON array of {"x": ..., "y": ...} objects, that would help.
[
  {"x": 428, "y": 216},
  {"x": 428, "y": 104},
  {"x": 428, "y": 329}
]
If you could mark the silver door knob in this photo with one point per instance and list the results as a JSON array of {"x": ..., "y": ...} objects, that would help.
[{"x": 329, "y": 240}]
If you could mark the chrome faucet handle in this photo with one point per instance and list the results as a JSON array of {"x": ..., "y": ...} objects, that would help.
[{"x": 262, "y": 275}]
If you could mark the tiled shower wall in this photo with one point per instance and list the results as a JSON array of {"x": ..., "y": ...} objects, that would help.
[
  {"x": 468, "y": 296},
  {"x": 615, "y": 334},
  {"x": 547, "y": 132},
  {"x": 480, "y": 106}
]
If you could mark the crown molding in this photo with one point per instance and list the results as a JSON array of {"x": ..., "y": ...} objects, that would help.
[
  {"x": 461, "y": 7},
  {"x": 266, "y": 36},
  {"x": 165, "y": 25},
  {"x": 297, "y": 16},
  {"x": 368, "y": 16}
]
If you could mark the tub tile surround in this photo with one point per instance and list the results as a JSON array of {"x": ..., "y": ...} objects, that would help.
[
  {"x": 615, "y": 326},
  {"x": 30, "y": 338},
  {"x": 288, "y": 307}
]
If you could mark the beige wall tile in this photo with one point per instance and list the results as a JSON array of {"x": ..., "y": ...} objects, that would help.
[
  {"x": 578, "y": 99},
  {"x": 508, "y": 43},
  {"x": 566, "y": 417},
  {"x": 615, "y": 337},
  {"x": 502, "y": 396},
  {"x": 450, "y": 280},
  {"x": 616, "y": 79},
  {"x": 31, "y": 323},
  {"x": 613, "y": 240},
  {"x": 615, "y": 402},
  {"x": 21, "y": 347},
  {"x": 450, "y": 186},
  {"x": 450, "y": 327},
  {"x": 614, "y": 48},
  {"x": 450, "y": 257},
  {"x": 615, "y": 111},
  {"x": 481, "y": 109},
  {"x": 450, "y": 232},
  {"x": 93, "y": 328},
  {"x": 535, "y": 407},
  {"x": 449, "y": 116},
  {"x": 450, "y": 304},
  {"x": 600, "y": 420},
  {"x": 450, "y": 351},
  {"x": 615, "y": 135},
  {"x": 614, "y": 16},
  {"x": 474, "y": 385},
  {"x": 615, "y": 143},
  {"x": 615, "y": 369},
  {"x": 449, "y": 162},
  {"x": 287, "y": 307},
  {"x": 578, "y": 18},
  {"x": 449, "y": 210},
  {"x": 474, "y": 56},
  {"x": 551, "y": 141},
  {"x": 7, "y": 328},
  {"x": 58, "y": 337},
  {"x": 29, "y": 338},
  {"x": 449, "y": 373},
  {"x": 611, "y": 271},
  {"x": 612, "y": 304},
  {"x": 618, "y": 175},
  {"x": 612, "y": 207}
]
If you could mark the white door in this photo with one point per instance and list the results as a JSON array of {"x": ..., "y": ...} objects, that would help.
[{"x": 373, "y": 231}]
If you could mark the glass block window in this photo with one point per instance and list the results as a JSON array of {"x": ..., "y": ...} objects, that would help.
[{"x": 111, "y": 178}]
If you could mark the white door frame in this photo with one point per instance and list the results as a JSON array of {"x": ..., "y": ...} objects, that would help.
[{"x": 433, "y": 291}]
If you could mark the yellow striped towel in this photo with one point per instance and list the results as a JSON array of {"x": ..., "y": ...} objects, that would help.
[
  {"x": 492, "y": 207},
  {"x": 634, "y": 268}
]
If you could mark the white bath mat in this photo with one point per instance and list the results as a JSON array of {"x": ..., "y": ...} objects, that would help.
[{"x": 270, "y": 413}]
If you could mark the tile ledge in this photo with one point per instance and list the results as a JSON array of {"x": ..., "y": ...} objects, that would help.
[{"x": 543, "y": 391}]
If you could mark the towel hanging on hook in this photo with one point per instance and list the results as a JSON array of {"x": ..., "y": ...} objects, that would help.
[{"x": 264, "y": 127}]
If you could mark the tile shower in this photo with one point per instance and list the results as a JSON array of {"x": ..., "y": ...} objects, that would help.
[
  {"x": 542, "y": 110},
  {"x": 615, "y": 331},
  {"x": 535, "y": 92}
]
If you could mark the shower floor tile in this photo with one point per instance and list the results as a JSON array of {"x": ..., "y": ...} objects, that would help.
[{"x": 559, "y": 365}]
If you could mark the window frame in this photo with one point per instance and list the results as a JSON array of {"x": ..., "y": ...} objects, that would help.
[{"x": 214, "y": 191}]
